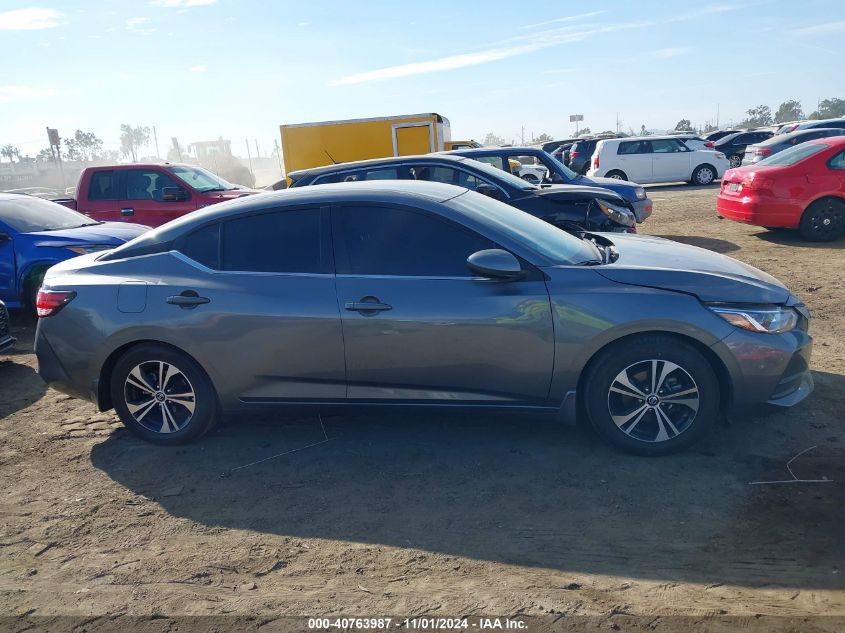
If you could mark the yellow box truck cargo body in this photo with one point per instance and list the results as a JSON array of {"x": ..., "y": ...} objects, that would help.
[{"x": 307, "y": 145}]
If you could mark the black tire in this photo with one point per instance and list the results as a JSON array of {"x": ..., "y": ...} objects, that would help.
[
  {"x": 33, "y": 285},
  {"x": 146, "y": 418},
  {"x": 616, "y": 175},
  {"x": 703, "y": 175},
  {"x": 735, "y": 160},
  {"x": 823, "y": 221},
  {"x": 639, "y": 428}
]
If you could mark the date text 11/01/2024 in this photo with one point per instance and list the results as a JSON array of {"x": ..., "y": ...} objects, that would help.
[{"x": 423, "y": 623}]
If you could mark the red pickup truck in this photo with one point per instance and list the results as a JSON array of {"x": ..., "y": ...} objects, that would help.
[{"x": 149, "y": 194}]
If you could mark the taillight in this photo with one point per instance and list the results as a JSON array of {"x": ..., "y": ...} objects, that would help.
[
  {"x": 762, "y": 152},
  {"x": 755, "y": 182},
  {"x": 49, "y": 302},
  {"x": 573, "y": 155},
  {"x": 596, "y": 162},
  {"x": 709, "y": 145}
]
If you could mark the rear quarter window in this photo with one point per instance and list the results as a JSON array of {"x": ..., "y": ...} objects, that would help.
[
  {"x": 203, "y": 246},
  {"x": 103, "y": 185}
]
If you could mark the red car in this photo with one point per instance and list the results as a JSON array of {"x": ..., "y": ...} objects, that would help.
[
  {"x": 149, "y": 194},
  {"x": 801, "y": 188}
]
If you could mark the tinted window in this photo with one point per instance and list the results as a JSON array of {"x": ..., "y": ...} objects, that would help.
[
  {"x": 837, "y": 162},
  {"x": 634, "y": 147},
  {"x": 147, "y": 184},
  {"x": 665, "y": 146},
  {"x": 390, "y": 241},
  {"x": 203, "y": 246},
  {"x": 384, "y": 173},
  {"x": 448, "y": 175},
  {"x": 278, "y": 242},
  {"x": 103, "y": 186}
]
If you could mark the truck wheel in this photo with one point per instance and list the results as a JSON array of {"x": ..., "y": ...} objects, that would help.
[{"x": 651, "y": 395}]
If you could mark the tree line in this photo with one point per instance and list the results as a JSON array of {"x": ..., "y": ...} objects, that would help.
[{"x": 87, "y": 146}]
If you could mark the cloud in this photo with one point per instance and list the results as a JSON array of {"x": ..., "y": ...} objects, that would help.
[
  {"x": 559, "y": 71},
  {"x": 138, "y": 25},
  {"x": 199, "y": 68},
  {"x": 568, "y": 18},
  {"x": 300, "y": 24},
  {"x": 668, "y": 53},
  {"x": 31, "y": 19},
  {"x": 12, "y": 93},
  {"x": 818, "y": 29},
  {"x": 444, "y": 63},
  {"x": 520, "y": 45},
  {"x": 181, "y": 4}
]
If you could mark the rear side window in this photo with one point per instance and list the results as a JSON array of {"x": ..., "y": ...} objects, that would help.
[
  {"x": 203, "y": 246},
  {"x": 103, "y": 186},
  {"x": 494, "y": 161},
  {"x": 666, "y": 146},
  {"x": 275, "y": 242},
  {"x": 391, "y": 241},
  {"x": 448, "y": 175},
  {"x": 387, "y": 173},
  {"x": 794, "y": 154},
  {"x": 634, "y": 147},
  {"x": 837, "y": 162}
]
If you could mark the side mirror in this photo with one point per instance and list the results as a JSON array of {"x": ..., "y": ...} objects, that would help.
[
  {"x": 496, "y": 264},
  {"x": 487, "y": 190},
  {"x": 173, "y": 194},
  {"x": 5, "y": 237},
  {"x": 557, "y": 179}
]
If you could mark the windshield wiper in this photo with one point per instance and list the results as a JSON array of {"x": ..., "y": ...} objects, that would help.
[{"x": 218, "y": 189}]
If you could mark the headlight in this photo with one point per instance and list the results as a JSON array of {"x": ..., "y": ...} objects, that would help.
[
  {"x": 771, "y": 320},
  {"x": 640, "y": 193},
  {"x": 92, "y": 248},
  {"x": 617, "y": 214}
]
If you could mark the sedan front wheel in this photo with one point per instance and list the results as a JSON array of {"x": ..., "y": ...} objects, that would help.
[{"x": 651, "y": 395}]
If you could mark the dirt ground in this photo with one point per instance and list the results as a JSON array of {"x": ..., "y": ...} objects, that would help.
[{"x": 438, "y": 515}]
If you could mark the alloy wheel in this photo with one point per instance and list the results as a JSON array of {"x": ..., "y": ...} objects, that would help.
[
  {"x": 159, "y": 396},
  {"x": 736, "y": 161},
  {"x": 653, "y": 400},
  {"x": 827, "y": 221}
]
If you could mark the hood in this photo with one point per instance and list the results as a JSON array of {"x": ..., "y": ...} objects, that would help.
[
  {"x": 659, "y": 263},
  {"x": 610, "y": 183},
  {"x": 579, "y": 192},
  {"x": 115, "y": 233}
]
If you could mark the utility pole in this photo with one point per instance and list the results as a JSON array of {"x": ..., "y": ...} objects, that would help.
[
  {"x": 522, "y": 136},
  {"x": 717, "y": 116},
  {"x": 279, "y": 156},
  {"x": 257, "y": 153},
  {"x": 155, "y": 136},
  {"x": 617, "y": 123},
  {"x": 249, "y": 157}
]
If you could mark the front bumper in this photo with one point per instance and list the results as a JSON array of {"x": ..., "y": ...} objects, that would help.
[
  {"x": 643, "y": 209},
  {"x": 769, "y": 368}
]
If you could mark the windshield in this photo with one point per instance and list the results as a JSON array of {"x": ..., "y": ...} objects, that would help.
[
  {"x": 27, "y": 215},
  {"x": 499, "y": 174},
  {"x": 559, "y": 247},
  {"x": 793, "y": 155},
  {"x": 561, "y": 167},
  {"x": 200, "y": 179}
]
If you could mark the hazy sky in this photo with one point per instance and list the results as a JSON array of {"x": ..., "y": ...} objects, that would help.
[{"x": 199, "y": 69}]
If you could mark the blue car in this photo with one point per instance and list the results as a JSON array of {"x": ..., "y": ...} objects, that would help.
[
  {"x": 513, "y": 159},
  {"x": 36, "y": 233}
]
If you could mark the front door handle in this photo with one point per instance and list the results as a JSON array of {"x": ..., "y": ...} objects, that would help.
[
  {"x": 189, "y": 299},
  {"x": 127, "y": 211},
  {"x": 368, "y": 306}
]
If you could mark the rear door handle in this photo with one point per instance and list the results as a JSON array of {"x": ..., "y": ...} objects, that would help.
[
  {"x": 188, "y": 299},
  {"x": 127, "y": 211}
]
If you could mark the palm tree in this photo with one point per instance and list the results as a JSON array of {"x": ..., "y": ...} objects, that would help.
[{"x": 10, "y": 152}]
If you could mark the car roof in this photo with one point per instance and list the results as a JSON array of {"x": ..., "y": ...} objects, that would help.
[
  {"x": 387, "y": 160},
  {"x": 517, "y": 149},
  {"x": 781, "y": 138}
]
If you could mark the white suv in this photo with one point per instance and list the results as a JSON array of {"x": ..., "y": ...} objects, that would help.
[{"x": 656, "y": 159}]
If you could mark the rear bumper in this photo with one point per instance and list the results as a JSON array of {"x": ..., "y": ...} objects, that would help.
[
  {"x": 758, "y": 210},
  {"x": 53, "y": 372}
]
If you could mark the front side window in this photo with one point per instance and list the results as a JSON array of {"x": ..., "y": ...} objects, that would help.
[
  {"x": 401, "y": 242},
  {"x": 496, "y": 161},
  {"x": 275, "y": 242},
  {"x": 448, "y": 175},
  {"x": 103, "y": 186},
  {"x": 147, "y": 184}
]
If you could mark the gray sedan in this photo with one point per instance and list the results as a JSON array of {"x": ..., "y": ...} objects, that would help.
[
  {"x": 416, "y": 294},
  {"x": 761, "y": 151}
]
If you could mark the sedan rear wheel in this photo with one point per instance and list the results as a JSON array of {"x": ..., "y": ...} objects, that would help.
[
  {"x": 736, "y": 160},
  {"x": 162, "y": 395},
  {"x": 651, "y": 395},
  {"x": 823, "y": 221}
]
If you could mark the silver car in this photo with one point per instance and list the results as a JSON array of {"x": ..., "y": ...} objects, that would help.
[{"x": 416, "y": 294}]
